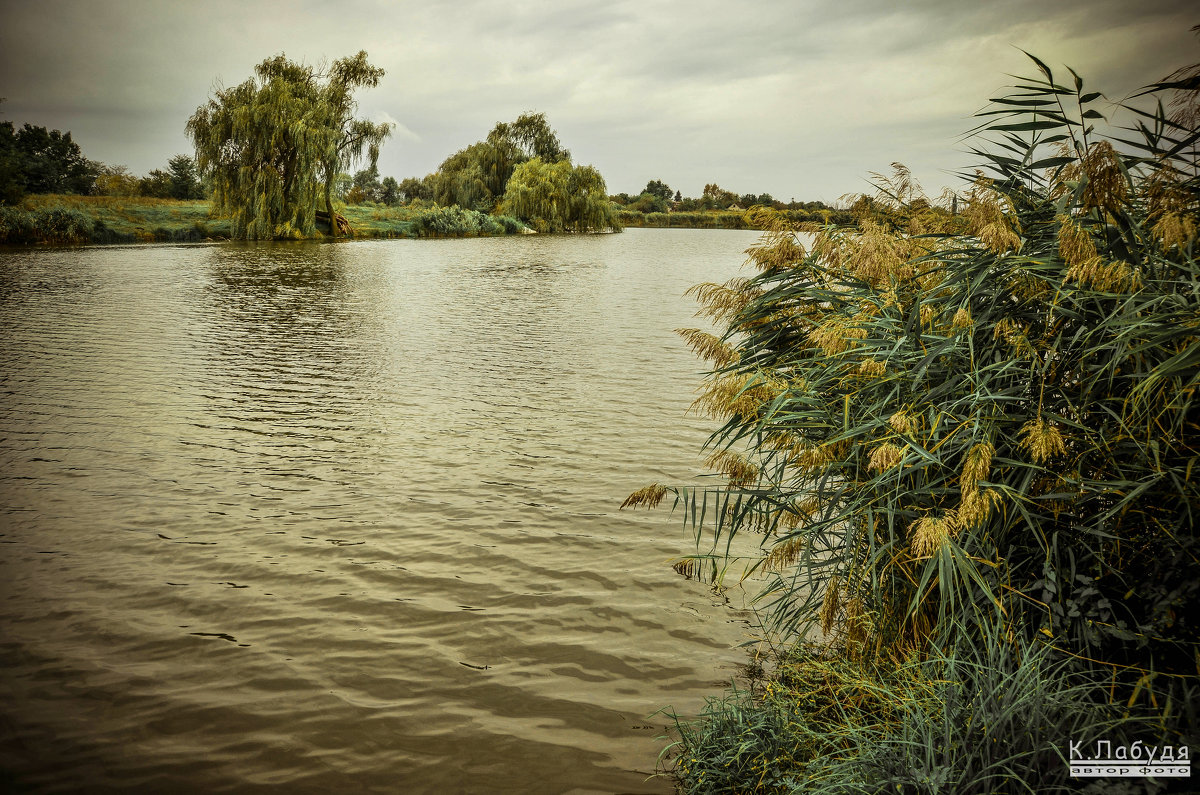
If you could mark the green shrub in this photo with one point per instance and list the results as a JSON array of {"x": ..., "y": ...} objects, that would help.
[
  {"x": 489, "y": 225},
  {"x": 17, "y": 227},
  {"x": 102, "y": 233},
  {"x": 508, "y": 224},
  {"x": 63, "y": 225},
  {"x": 452, "y": 221}
]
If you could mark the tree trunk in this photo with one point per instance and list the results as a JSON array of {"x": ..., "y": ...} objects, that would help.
[
  {"x": 333, "y": 219},
  {"x": 338, "y": 226}
]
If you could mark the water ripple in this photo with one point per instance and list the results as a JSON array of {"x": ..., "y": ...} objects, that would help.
[{"x": 343, "y": 517}]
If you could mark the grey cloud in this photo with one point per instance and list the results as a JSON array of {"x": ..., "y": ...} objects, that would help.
[{"x": 793, "y": 98}]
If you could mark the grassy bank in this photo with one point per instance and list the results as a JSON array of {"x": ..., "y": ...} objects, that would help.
[
  {"x": 74, "y": 220},
  {"x": 59, "y": 219}
]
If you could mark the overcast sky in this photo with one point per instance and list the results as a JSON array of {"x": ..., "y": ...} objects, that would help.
[{"x": 798, "y": 99}]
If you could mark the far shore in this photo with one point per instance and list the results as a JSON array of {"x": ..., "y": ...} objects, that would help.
[{"x": 76, "y": 220}]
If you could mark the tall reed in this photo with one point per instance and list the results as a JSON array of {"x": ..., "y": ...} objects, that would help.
[{"x": 975, "y": 437}]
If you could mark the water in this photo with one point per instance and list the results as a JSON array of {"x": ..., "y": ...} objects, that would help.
[{"x": 316, "y": 518}]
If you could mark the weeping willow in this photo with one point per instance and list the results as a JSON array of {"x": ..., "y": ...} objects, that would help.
[
  {"x": 950, "y": 429},
  {"x": 557, "y": 197},
  {"x": 476, "y": 177},
  {"x": 273, "y": 145}
]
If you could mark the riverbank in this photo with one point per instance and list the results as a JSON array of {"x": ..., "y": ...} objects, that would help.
[
  {"x": 65, "y": 219},
  {"x": 75, "y": 220},
  {"x": 721, "y": 219}
]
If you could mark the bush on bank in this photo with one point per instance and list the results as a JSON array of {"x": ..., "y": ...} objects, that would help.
[{"x": 968, "y": 446}]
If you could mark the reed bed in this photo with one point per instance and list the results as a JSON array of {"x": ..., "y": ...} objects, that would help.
[{"x": 967, "y": 444}]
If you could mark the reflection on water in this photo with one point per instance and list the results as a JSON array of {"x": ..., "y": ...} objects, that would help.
[{"x": 343, "y": 517}]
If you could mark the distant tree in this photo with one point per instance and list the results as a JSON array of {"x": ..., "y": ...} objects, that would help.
[
  {"x": 156, "y": 184},
  {"x": 262, "y": 143},
  {"x": 470, "y": 178},
  {"x": 477, "y": 176},
  {"x": 389, "y": 191},
  {"x": 12, "y": 176},
  {"x": 659, "y": 189},
  {"x": 556, "y": 197},
  {"x": 716, "y": 197},
  {"x": 185, "y": 179},
  {"x": 678, "y": 197},
  {"x": 115, "y": 181},
  {"x": 413, "y": 188},
  {"x": 649, "y": 203},
  {"x": 276, "y": 144},
  {"x": 343, "y": 183},
  {"x": 532, "y": 136},
  {"x": 51, "y": 162},
  {"x": 587, "y": 200},
  {"x": 366, "y": 186},
  {"x": 354, "y": 136}
]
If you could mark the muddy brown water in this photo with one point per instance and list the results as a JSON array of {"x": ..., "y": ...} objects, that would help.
[{"x": 343, "y": 518}]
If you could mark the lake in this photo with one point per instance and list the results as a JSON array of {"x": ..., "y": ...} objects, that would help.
[{"x": 343, "y": 517}]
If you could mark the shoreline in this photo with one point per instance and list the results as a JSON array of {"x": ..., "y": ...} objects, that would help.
[{"x": 59, "y": 219}]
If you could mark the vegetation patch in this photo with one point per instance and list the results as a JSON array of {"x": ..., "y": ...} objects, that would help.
[
  {"x": 967, "y": 444},
  {"x": 65, "y": 219},
  {"x": 274, "y": 145},
  {"x": 723, "y": 219},
  {"x": 988, "y": 718},
  {"x": 454, "y": 221}
]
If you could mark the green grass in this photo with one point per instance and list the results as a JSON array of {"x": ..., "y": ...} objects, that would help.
[
  {"x": 73, "y": 220},
  {"x": 381, "y": 221},
  {"x": 66, "y": 219},
  {"x": 988, "y": 717}
]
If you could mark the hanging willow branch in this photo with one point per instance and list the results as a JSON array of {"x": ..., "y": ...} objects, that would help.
[{"x": 273, "y": 146}]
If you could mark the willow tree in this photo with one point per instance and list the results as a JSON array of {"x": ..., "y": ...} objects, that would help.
[
  {"x": 477, "y": 176},
  {"x": 528, "y": 137},
  {"x": 273, "y": 145},
  {"x": 354, "y": 136},
  {"x": 557, "y": 197},
  {"x": 471, "y": 177}
]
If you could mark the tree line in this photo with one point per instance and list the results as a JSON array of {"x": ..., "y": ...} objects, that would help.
[
  {"x": 37, "y": 160},
  {"x": 278, "y": 145},
  {"x": 658, "y": 197},
  {"x": 275, "y": 155},
  {"x": 520, "y": 169}
]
